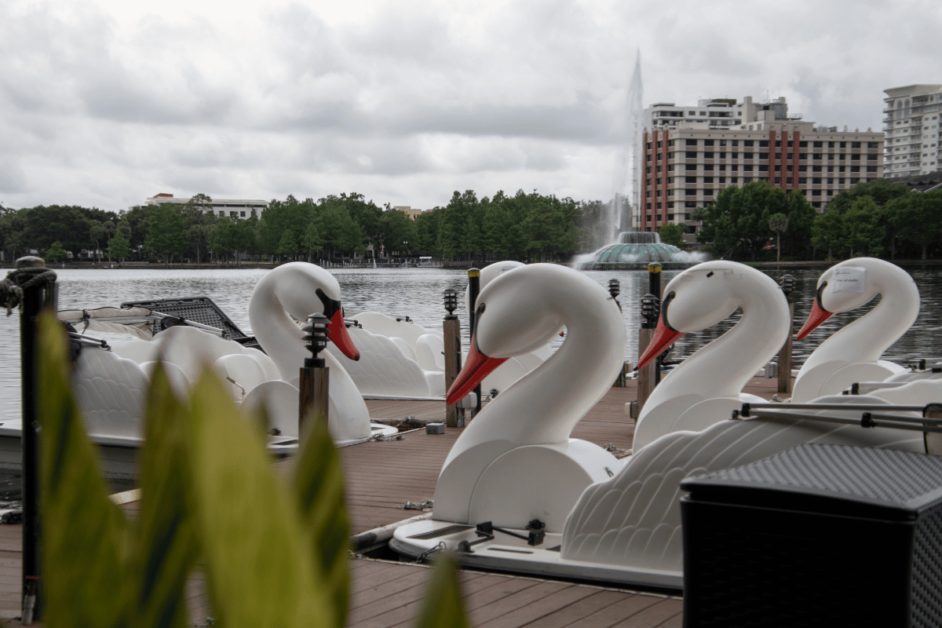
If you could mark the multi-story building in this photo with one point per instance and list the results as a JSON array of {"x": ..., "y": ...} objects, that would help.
[
  {"x": 717, "y": 113},
  {"x": 408, "y": 211},
  {"x": 685, "y": 167},
  {"x": 913, "y": 126},
  {"x": 235, "y": 208}
]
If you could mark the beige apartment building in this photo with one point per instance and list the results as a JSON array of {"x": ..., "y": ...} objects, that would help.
[
  {"x": 913, "y": 126},
  {"x": 685, "y": 167},
  {"x": 233, "y": 208}
]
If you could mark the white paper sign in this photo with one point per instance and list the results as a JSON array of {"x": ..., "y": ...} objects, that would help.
[{"x": 849, "y": 280}]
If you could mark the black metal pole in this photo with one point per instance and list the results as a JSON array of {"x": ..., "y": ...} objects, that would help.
[
  {"x": 654, "y": 287},
  {"x": 474, "y": 288},
  {"x": 35, "y": 298}
]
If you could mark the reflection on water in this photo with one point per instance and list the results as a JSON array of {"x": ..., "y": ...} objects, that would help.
[{"x": 418, "y": 294}]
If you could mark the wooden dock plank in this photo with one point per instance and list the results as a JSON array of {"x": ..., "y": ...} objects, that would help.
[{"x": 540, "y": 609}]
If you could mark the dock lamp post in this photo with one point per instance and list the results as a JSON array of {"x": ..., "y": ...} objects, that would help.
[
  {"x": 614, "y": 289},
  {"x": 474, "y": 288},
  {"x": 315, "y": 374},
  {"x": 650, "y": 311},
  {"x": 452, "y": 338},
  {"x": 785, "y": 354}
]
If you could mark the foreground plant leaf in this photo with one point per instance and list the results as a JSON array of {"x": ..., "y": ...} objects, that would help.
[
  {"x": 318, "y": 484},
  {"x": 167, "y": 542},
  {"x": 85, "y": 537},
  {"x": 251, "y": 533},
  {"x": 443, "y": 606}
]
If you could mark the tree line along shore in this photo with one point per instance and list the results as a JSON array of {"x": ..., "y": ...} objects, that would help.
[{"x": 756, "y": 222}]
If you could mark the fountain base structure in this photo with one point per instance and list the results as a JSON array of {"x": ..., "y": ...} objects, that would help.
[{"x": 635, "y": 250}]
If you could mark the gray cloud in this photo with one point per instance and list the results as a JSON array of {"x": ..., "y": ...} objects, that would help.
[{"x": 407, "y": 102}]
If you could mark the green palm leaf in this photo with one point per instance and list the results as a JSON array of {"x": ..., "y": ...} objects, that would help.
[
  {"x": 85, "y": 537},
  {"x": 168, "y": 545},
  {"x": 318, "y": 484},
  {"x": 443, "y": 606},
  {"x": 252, "y": 537}
]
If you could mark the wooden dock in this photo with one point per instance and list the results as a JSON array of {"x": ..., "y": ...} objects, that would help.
[{"x": 380, "y": 477}]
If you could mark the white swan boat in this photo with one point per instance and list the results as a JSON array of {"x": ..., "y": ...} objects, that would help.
[
  {"x": 110, "y": 383},
  {"x": 853, "y": 353},
  {"x": 517, "y": 494}
]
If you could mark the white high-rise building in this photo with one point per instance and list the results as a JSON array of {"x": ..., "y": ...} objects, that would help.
[
  {"x": 716, "y": 113},
  {"x": 913, "y": 127}
]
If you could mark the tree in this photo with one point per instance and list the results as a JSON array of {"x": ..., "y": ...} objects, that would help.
[
  {"x": 97, "y": 233},
  {"x": 862, "y": 228},
  {"x": 288, "y": 246},
  {"x": 311, "y": 241},
  {"x": 166, "y": 233},
  {"x": 828, "y": 232},
  {"x": 671, "y": 234},
  {"x": 397, "y": 232},
  {"x": 119, "y": 247},
  {"x": 778, "y": 223},
  {"x": 918, "y": 218},
  {"x": 55, "y": 252},
  {"x": 736, "y": 224}
]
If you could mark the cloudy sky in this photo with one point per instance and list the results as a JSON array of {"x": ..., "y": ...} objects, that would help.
[{"x": 106, "y": 102}]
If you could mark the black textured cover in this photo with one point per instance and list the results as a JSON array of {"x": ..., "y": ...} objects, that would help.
[
  {"x": 820, "y": 535},
  {"x": 859, "y": 481},
  {"x": 197, "y": 309}
]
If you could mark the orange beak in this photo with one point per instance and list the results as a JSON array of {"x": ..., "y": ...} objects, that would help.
[
  {"x": 476, "y": 368},
  {"x": 664, "y": 337},
  {"x": 818, "y": 315},
  {"x": 337, "y": 333}
]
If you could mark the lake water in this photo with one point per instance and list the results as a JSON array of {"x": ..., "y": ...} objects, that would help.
[{"x": 418, "y": 294}]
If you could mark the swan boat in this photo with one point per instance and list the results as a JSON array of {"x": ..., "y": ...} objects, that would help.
[
  {"x": 853, "y": 353},
  {"x": 517, "y": 494},
  {"x": 110, "y": 382}
]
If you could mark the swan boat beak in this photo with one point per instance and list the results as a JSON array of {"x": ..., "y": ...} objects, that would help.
[
  {"x": 477, "y": 366},
  {"x": 664, "y": 337},
  {"x": 337, "y": 333},
  {"x": 818, "y": 315}
]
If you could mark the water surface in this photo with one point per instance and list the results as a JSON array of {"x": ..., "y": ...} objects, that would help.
[{"x": 418, "y": 294}]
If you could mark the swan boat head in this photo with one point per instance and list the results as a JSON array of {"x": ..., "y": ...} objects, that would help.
[
  {"x": 849, "y": 285},
  {"x": 293, "y": 292}
]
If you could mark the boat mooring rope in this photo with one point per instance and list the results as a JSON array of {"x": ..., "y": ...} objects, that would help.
[{"x": 16, "y": 281}]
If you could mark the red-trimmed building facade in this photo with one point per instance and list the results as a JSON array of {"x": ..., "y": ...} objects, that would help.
[{"x": 684, "y": 168}]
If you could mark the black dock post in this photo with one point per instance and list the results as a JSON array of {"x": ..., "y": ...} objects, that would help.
[
  {"x": 452, "y": 335},
  {"x": 474, "y": 289},
  {"x": 33, "y": 288}
]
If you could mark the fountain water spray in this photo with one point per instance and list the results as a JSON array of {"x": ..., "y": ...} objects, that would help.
[{"x": 628, "y": 166}]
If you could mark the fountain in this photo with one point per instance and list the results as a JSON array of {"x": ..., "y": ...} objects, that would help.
[
  {"x": 635, "y": 250},
  {"x": 632, "y": 249}
]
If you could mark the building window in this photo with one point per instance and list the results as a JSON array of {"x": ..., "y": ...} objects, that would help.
[
  {"x": 691, "y": 142},
  {"x": 816, "y": 169},
  {"x": 222, "y": 213},
  {"x": 691, "y": 154},
  {"x": 734, "y": 168},
  {"x": 818, "y": 144},
  {"x": 708, "y": 179},
  {"x": 690, "y": 180},
  {"x": 747, "y": 168},
  {"x": 708, "y": 142},
  {"x": 816, "y": 181},
  {"x": 763, "y": 143},
  {"x": 708, "y": 155},
  {"x": 748, "y": 155},
  {"x": 691, "y": 167},
  {"x": 763, "y": 155},
  {"x": 735, "y": 143},
  {"x": 747, "y": 142},
  {"x": 802, "y": 145}
]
